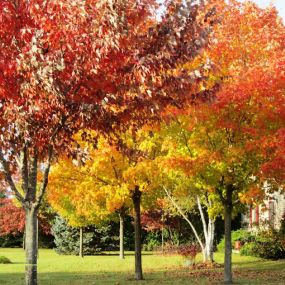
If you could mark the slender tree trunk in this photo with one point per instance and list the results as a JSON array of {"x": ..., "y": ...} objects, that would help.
[
  {"x": 211, "y": 230},
  {"x": 38, "y": 238},
  {"x": 208, "y": 233},
  {"x": 209, "y": 241},
  {"x": 81, "y": 242},
  {"x": 137, "y": 225},
  {"x": 228, "y": 207},
  {"x": 202, "y": 246},
  {"x": 162, "y": 239},
  {"x": 31, "y": 246},
  {"x": 122, "y": 216},
  {"x": 24, "y": 239}
]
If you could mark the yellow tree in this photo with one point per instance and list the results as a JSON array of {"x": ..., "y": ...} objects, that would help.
[
  {"x": 65, "y": 183},
  {"x": 111, "y": 179}
]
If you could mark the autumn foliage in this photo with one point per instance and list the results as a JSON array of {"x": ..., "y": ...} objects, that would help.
[
  {"x": 12, "y": 218},
  {"x": 126, "y": 99}
]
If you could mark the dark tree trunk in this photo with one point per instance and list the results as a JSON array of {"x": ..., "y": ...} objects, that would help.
[
  {"x": 81, "y": 254},
  {"x": 31, "y": 246},
  {"x": 228, "y": 207},
  {"x": 137, "y": 225},
  {"x": 162, "y": 240},
  {"x": 122, "y": 216},
  {"x": 24, "y": 239}
]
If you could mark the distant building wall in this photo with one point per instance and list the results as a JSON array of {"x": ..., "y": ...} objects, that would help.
[{"x": 270, "y": 213}]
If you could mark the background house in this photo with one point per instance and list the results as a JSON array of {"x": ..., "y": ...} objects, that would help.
[{"x": 270, "y": 212}]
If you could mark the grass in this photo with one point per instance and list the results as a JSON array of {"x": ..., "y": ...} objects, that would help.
[{"x": 158, "y": 270}]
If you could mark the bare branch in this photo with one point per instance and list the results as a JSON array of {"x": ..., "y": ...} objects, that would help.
[
  {"x": 34, "y": 170},
  {"x": 202, "y": 216},
  {"x": 24, "y": 169},
  {"x": 185, "y": 217},
  {"x": 236, "y": 202},
  {"x": 186, "y": 144},
  {"x": 45, "y": 178}
]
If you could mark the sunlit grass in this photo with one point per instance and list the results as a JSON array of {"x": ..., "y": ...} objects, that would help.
[{"x": 109, "y": 269}]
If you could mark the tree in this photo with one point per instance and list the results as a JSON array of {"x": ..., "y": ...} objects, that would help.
[
  {"x": 12, "y": 218},
  {"x": 182, "y": 192},
  {"x": 229, "y": 134},
  {"x": 165, "y": 224},
  {"x": 95, "y": 239},
  {"x": 250, "y": 99},
  {"x": 171, "y": 152},
  {"x": 12, "y": 222},
  {"x": 95, "y": 193},
  {"x": 83, "y": 68},
  {"x": 110, "y": 180}
]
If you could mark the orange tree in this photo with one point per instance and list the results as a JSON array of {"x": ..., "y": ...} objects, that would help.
[
  {"x": 238, "y": 134},
  {"x": 69, "y": 64}
]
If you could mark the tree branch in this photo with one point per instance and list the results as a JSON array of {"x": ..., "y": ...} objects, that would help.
[
  {"x": 32, "y": 181},
  {"x": 45, "y": 178},
  {"x": 202, "y": 218},
  {"x": 186, "y": 144},
  {"x": 223, "y": 200},
  {"x": 236, "y": 202},
  {"x": 185, "y": 217},
  {"x": 9, "y": 179},
  {"x": 24, "y": 169}
]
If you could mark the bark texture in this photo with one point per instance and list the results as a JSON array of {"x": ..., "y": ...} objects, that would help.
[
  {"x": 209, "y": 232},
  {"x": 31, "y": 247},
  {"x": 122, "y": 217},
  {"x": 30, "y": 197},
  {"x": 228, "y": 207},
  {"x": 81, "y": 254},
  {"x": 137, "y": 225}
]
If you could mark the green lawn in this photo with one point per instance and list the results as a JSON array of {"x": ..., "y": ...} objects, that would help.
[{"x": 109, "y": 269}]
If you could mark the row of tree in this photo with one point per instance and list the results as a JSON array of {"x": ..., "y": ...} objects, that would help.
[{"x": 134, "y": 106}]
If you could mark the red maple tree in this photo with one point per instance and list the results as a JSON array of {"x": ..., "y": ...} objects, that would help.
[
  {"x": 100, "y": 64},
  {"x": 12, "y": 218}
]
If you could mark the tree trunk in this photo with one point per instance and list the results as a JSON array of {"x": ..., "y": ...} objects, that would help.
[
  {"x": 209, "y": 238},
  {"x": 24, "y": 239},
  {"x": 202, "y": 246},
  {"x": 31, "y": 246},
  {"x": 121, "y": 216},
  {"x": 162, "y": 239},
  {"x": 81, "y": 242},
  {"x": 137, "y": 225},
  {"x": 29, "y": 200},
  {"x": 211, "y": 230},
  {"x": 228, "y": 244},
  {"x": 38, "y": 238}
]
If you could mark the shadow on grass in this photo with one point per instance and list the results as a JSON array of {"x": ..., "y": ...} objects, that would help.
[
  {"x": 117, "y": 254},
  {"x": 108, "y": 254},
  {"x": 108, "y": 278},
  {"x": 251, "y": 272},
  {"x": 63, "y": 278}
]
